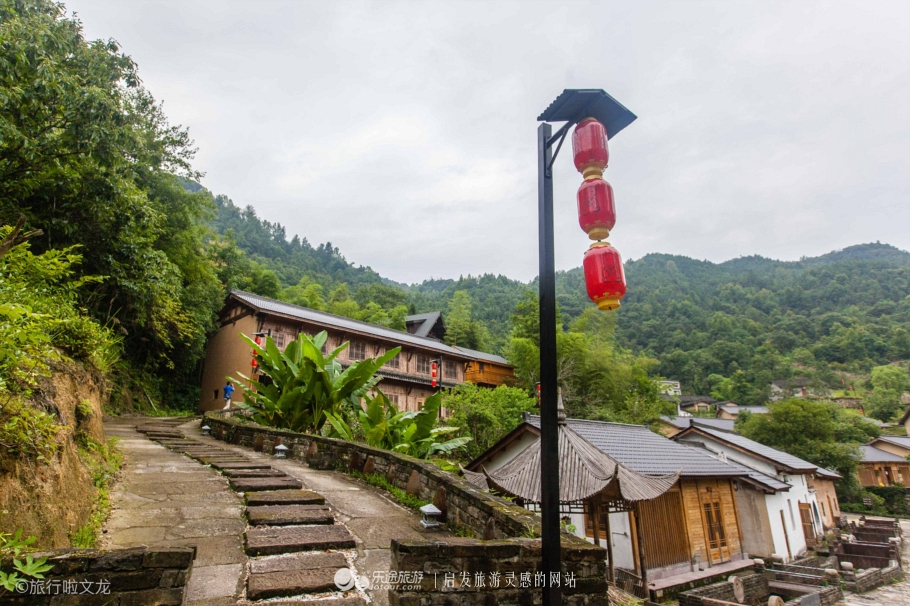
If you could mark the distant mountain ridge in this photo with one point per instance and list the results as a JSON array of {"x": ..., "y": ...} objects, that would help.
[{"x": 751, "y": 318}]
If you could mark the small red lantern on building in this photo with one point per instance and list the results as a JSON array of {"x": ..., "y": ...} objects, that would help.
[
  {"x": 596, "y": 211},
  {"x": 434, "y": 367},
  {"x": 589, "y": 145},
  {"x": 257, "y": 341},
  {"x": 604, "y": 275}
]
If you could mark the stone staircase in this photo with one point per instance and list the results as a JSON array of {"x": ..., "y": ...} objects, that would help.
[{"x": 293, "y": 541}]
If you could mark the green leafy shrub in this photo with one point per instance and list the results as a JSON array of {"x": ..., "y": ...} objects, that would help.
[
  {"x": 27, "y": 432},
  {"x": 299, "y": 386},
  {"x": 411, "y": 433},
  {"x": 11, "y": 546},
  {"x": 103, "y": 461},
  {"x": 400, "y": 495},
  {"x": 893, "y": 498},
  {"x": 40, "y": 318}
]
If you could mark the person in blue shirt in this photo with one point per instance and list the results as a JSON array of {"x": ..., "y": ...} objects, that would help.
[{"x": 228, "y": 393}]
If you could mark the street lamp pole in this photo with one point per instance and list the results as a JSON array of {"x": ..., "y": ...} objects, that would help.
[
  {"x": 549, "y": 437},
  {"x": 572, "y": 106}
]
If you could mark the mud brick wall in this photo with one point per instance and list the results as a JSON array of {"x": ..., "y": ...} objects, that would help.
[
  {"x": 434, "y": 559},
  {"x": 755, "y": 588},
  {"x": 465, "y": 505},
  {"x": 135, "y": 576}
]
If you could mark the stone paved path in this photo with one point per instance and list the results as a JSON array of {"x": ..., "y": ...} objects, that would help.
[
  {"x": 889, "y": 595},
  {"x": 165, "y": 499},
  {"x": 304, "y": 524}
]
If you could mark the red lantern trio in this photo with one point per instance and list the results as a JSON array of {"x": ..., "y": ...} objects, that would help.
[{"x": 604, "y": 277}]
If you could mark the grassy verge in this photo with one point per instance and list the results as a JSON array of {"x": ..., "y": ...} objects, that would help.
[
  {"x": 400, "y": 495},
  {"x": 103, "y": 462}
]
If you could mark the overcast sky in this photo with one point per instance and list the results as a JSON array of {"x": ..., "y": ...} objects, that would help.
[{"x": 405, "y": 132}]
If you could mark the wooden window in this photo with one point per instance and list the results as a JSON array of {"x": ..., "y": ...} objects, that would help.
[
  {"x": 423, "y": 364},
  {"x": 358, "y": 350},
  {"x": 394, "y": 362},
  {"x": 280, "y": 339},
  {"x": 450, "y": 370},
  {"x": 393, "y": 398}
]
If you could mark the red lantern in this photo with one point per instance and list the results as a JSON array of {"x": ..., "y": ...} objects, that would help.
[
  {"x": 589, "y": 144},
  {"x": 257, "y": 341},
  {"x": 596, "y": 212},
  {"x": 604, "y": 276},
  {"x": 433, "y": 373}
]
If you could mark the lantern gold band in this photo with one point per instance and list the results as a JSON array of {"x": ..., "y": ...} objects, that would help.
[{"x": 608, "y": 303}]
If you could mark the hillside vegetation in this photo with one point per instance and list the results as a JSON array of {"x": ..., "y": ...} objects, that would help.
[{"x": 725, "y": 328}]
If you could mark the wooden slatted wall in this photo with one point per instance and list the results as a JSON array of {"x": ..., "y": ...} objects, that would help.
[{"x": 664, "y": 530}]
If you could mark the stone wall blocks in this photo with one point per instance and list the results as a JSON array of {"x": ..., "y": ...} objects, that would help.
[
  {"x": 121, "y": 560},
  {"x": 174, "y": 557}
]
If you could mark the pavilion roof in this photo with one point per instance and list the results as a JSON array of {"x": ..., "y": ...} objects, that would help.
[{"x": 584, "y": 471}]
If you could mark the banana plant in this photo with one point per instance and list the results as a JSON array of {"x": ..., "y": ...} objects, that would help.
[
  {"x": 305, "y": 386},
  {"x": 408, "y": 432}
]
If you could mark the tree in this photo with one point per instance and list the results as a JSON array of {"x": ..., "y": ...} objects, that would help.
[
  {"x": 461, "y": 327},
  {"x": 819, "y": 432},
  {"x": 888, "y": 383},
  {"x": 486, "y": 414},
  {"x": 87, "y": 155}
]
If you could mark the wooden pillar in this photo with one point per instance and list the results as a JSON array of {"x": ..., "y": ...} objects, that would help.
[
  {"x": 610, "y": 575},
  {"x": 643, "y": 565},
  {"x": 595, "y": 523}
]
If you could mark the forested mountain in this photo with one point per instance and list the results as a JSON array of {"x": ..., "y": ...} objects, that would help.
[
  {"x": 733, "y": 327},
  {"x": 728, "y": 328}
]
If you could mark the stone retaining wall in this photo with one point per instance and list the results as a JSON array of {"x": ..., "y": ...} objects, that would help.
[
  {"x": 757, "y": 588},
  {"x": 484, "y": 514},
  {"x": 135, "y": 576},
  {"x": 582, "y": 562},
  {"x": 861, "y": 581}
]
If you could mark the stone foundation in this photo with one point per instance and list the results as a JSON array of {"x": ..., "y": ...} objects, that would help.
[
  {"x": 135, "y": 576},
  {"x": 509, "y": 560}
]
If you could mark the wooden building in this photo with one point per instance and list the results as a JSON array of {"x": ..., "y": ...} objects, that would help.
[
  {"x": 777, "y": 502},
  {"x": 693, "y": 525},
  {"x": 879, "y": 467},
  {"x": 406, "y": 378}
]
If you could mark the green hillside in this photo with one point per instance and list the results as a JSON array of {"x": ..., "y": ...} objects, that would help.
[{"x": 729, "y": 328}]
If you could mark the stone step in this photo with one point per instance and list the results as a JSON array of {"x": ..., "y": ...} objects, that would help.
[
  {"x": 208, "y": 460},
  {"x": 270, "y": 540},
  {"x": 284, "y": 497},
  {"x": 254, "y": 473},
  {"x": 240, "y": 464},
  {"x": 288, "y": 575},
  {"x": 256, "y": 484},
  {"x": 287, "y": 515}
]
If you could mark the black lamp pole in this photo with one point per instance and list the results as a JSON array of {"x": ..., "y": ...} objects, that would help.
[
  {"x": 570, "y": 107},
  {"x": 549, "y": 437}
]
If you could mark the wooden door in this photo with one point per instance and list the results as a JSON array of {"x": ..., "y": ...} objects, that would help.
[
  {"x": 664, "y": 530},
  {"x": 715, "y": 530},
  {"x": 805, "y": 515}
]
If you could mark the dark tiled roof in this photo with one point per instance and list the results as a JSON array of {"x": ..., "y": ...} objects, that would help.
[
  {"x": 874, "y": 455},
  {"x": 771, "y": 454},
  {"x": 684, "y": 422},
  {"x": 763, "y": 480},
  {"x": 340, "y": 322},
  {"x": 902, "y": 441},
  {"x": 482, "y": 355},
  {"x": 646, "y": 452},
  {"x": 426, "y": 321},
  {"x": 827, "y": 474},
  {"x": 735, "y": 409}
]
